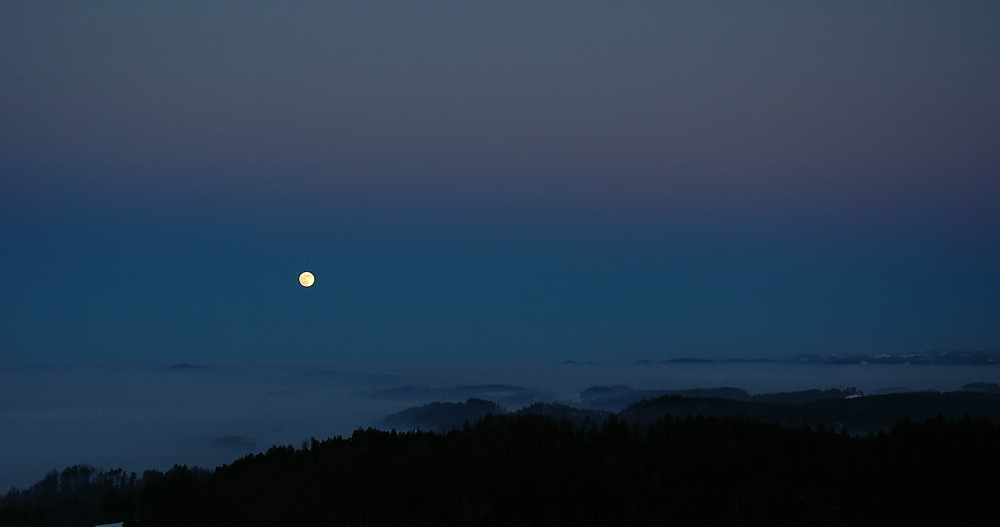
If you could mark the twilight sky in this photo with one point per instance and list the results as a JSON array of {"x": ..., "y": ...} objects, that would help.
[{"x": 578, "y": 180}]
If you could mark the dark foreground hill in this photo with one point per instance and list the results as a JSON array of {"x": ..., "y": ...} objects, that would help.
[{"x": 536, "y": 470}]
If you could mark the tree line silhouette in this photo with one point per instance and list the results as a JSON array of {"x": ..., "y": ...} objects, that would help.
[{"x": 536, "y": 470}]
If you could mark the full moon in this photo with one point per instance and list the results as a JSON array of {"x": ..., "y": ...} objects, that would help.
[{"x": 306, "y": 279}]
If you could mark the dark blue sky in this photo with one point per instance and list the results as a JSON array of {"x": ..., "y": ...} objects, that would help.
[{"x": 570, "y": 180}]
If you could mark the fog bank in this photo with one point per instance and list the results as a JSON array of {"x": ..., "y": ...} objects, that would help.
[{"x": 139, "y": 417}]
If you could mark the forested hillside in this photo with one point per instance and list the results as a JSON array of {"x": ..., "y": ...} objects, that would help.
[{"x": 535, "y": 470}]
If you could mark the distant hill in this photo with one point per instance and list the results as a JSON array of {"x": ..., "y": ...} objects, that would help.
[
  {"x": 807, "y": 396},
  {"x": 615, "y": 398},
  {"x": 928, "y": 357},
  {"x": 971, "y": 357},
  {"x": 441, "y": 417},
  {"x": 983, "y": 387},
  {"x": 833, "y": 408},
  {"x": 503, "y": 394},
  {"x": 859, "y": 415}
]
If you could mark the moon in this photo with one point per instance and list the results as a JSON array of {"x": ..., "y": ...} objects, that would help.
[{"x": 307, "y": 279}]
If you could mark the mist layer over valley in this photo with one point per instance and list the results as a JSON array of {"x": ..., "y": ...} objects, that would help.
[{"x": 154, "y": 416}]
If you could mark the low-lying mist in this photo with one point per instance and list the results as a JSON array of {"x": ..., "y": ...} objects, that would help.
[{"x": 152, "y": 417}]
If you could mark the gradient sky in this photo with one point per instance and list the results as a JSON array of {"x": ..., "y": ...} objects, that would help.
[{"x": 580, "y": 180}]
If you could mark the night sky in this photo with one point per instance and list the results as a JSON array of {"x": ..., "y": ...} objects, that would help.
[{"x": 494, "y": 181}]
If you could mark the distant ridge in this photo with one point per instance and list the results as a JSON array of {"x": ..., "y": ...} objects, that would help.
[
  {"x": 615, "y": 398},
  {"x": 984, "y": 357},
  {"x": 442, "y": 417},
  {"x": 839, "y": 409},
  {"x": 689, "y": 360},
  {"x": 937, "y": 357},
  {"x": 982, "y": 387}
]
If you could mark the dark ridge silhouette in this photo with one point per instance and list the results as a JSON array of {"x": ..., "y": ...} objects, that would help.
[
  {"x": 503, "y": 394},
  {"x": 806, "y": 396},
  {"x": 812, "y": 457},
  {"x": 890, "y": 389},
  {"x": 615, "y": 398},
  {"x": 562, "y": 412},
  {"x": 859, "y": 415},
  {"x": 688, "y": 360},
  {"x": 751, "y": 360},
  {"x": 605, "y": 392},
  {"x": 531, "y": 469},
  {"x": 735, "y": 394},
  {"x": 843, "y": 408},
  {"x": 982, "y": 387},
  {"x": 966, "y": 357},
  {"x": 984, "y": 357},
  {"x": 441, "y": 417}
]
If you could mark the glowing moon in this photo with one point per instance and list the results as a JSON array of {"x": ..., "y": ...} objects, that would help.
[{"x": 307, "y": 279}]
